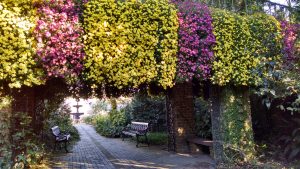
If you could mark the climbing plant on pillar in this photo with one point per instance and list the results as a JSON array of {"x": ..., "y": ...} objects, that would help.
[
  {"x": 239, "y": 63},
  {"x": 58, "y": 34},
  {"x": 17, "y": 52},
  {"x": 5, "y": 123},
  {"x": 129, "y": 43},
  {"x": 233, "y": 64}
]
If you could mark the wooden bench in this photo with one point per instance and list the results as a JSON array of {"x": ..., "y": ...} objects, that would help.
[
  {"x": 136, "y": 129},
  {"x": 60, "y": 137},
  {"x": 202, "y": 142}
]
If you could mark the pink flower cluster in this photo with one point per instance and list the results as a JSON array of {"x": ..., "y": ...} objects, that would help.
[
  {"x": 289, "y": 32},
  {"x": 58, "y": 35},
  {"x": 196, "y": 40}
]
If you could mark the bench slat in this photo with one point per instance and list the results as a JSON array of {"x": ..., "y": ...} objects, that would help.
[{"x": 201, "y": 141}]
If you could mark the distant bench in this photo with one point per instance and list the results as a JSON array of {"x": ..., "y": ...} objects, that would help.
[
  {"x": 202, "y": 142},
  {"x": 136, "y": 129},
  {"x": 60, "y": 137}
]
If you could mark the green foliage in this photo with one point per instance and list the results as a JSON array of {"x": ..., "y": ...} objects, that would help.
[
  {"x": 90, "y": 120},
  {"x": 247, "y": 48},
  {"x": 129, "y": 43},
  {"x": 203, "y": 119},
  {"x": 156, "y": 138},
  {"x": 266, "y": 41},
  {"x": 233, "y": 53},
  {"x": 146, "y": 108},
  {"x": 61, "y": 118},
  {"x": 100, "y": 106},
  {"x": 5, "y": 116},
  {"x": 27, "y": 150},
  {"x": 237, "y": 124},
  {"x": 112, "y": 124}
]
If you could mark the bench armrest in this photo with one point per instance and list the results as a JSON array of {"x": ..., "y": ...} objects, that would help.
[{"x": 126, "y": 128}]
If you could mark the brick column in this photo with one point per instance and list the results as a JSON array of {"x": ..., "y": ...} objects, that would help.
[
  {"x": 181, "y": 117},
  {"x": 24, "y": 101}
]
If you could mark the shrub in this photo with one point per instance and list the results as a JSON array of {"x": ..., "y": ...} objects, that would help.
[
  {"x": 112, "y": 124},
  {"x": 26, "y": 147},
  {"x": 62, "y": 119},
  {"x": 156, "y": 138},
  {"x": 203, "y": 118},
  {"x": 150, "y": 109}
]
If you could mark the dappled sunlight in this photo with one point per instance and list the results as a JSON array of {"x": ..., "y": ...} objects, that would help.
[
  {"x": 180, "y": 131},
  {"x": 137, "y": 164}
]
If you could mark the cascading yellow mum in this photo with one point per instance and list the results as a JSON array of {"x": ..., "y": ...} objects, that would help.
[
  {"x": 17, "y": 64},
  {"x": 245, "y": 47},
  {"x": 130, "y": 43}
]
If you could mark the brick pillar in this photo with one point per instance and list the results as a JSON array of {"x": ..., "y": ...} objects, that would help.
[
  {"x": 24, "y": 101},
  {"x": 181, "y": 117}
]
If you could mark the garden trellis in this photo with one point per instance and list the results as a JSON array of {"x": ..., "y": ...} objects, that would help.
[{"x": 129, "y": 44}]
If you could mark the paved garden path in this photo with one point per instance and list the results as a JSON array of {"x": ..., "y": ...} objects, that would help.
[{"x": 95, "y": 151}]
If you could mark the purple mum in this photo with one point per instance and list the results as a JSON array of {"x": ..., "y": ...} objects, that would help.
[
  {"x": 289, "y": 32},
  {"x": 196, "y": 40}
]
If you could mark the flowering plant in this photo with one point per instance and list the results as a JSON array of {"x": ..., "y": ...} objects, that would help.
[
  {"x": 58, "y": 33},
  {"x": 290, "y": 33},
  {"x": 17, "y": 55},
  {"x": 196, "y": 39},
  {"x": 130, "y": 43}
]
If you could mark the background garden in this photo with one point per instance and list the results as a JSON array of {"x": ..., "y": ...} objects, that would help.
[{"x": 235, "y": 67}]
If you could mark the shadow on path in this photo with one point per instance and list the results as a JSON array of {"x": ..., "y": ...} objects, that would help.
[{"x": 94, "y": 151}]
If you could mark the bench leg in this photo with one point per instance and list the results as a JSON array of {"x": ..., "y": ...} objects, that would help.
[
  {"x": 54, "y": 148},
  {"x": 137, "y": 140},
  {"x": 66, "y": 146},
  {"x": 122, "y": 135},
  {"x": 147, "y": 140}
]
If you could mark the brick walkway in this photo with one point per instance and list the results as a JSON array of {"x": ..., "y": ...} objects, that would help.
[{"x": 94, "y": 151}]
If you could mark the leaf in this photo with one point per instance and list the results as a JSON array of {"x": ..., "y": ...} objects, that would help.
[{"x": 281, "y": 107}]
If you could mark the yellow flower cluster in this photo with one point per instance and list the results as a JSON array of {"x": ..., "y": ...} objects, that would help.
[
  {"x": 242, "y": 44},
  {"x": 130, "y": 43},
  {"x": 17, "y": 64}
]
